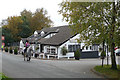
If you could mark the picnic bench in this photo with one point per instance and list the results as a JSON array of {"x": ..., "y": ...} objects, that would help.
[
  {"x": 51, "y": 55},
  {"x": 68, "y": 55}
]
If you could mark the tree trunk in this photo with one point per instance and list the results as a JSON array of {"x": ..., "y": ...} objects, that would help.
[
  {"x": 102, "y": 62},
  {"x": 113, "y": 59},
  {"x": 107, "y": 55},
  {"x": 103, "y": 45},
  {"x": 103, "y": 52}
]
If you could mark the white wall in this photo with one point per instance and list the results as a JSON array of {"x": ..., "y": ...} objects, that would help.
[
  {"x": 72, "y": 41},
  {"x": 45, "y": 48}
]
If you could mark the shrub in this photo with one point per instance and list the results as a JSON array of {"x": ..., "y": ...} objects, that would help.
[
  {"x": 10, "y": 50},
  {"x": 6, "y": 49},
  {"x": 100, "y": 49},
  {"x": 103, "y": 54},
  {"x": 77, "y": 54},
  {"x": 36, "y": 48},
  {"x": 64, "y": 50},
  {"x": 16, "y": 50}
]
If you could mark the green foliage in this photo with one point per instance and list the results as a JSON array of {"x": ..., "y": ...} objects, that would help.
[
  {"x": 103, "y": 54},
  {"x": 64, "y": 50},
  {"x": 14, "y": 24},
  {"x": 40, "y": 20},
  {"x": 87, "y": 19},
  {"x": 16, "y": 50},
  {"x": 100, "y": 49},
  {"x": 24, "y": 25},
  {"x": 25, "y": 29},
  {"x": 8, "y": 36},
  {"x": 10, "y": 50},
  {"x": 2, "y": 76},
  {"x": 36, "y": 48},
  {"x": 6, "y": 49},
  {"x": 77, "y": 54},
  {"x": 95, "y": 22}
]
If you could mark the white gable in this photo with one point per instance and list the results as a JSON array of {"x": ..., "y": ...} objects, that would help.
[
  {"x": 35, "y": 33},
  {"x": 42, "y": 33}
]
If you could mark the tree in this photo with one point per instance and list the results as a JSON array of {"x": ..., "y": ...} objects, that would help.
[
  {"x": 117, "y": 34},
  {"x": 26, "y": 17},
  {"x": 40, "y": 20},
  {"x": 8, "y": 36},
  {"x": 23, "y": 26},
  {"x": 14, "y": 25},
  {"x": 94, "y": 21}
]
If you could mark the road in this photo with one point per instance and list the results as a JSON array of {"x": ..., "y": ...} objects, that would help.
[{"x": 14, "y": 67}]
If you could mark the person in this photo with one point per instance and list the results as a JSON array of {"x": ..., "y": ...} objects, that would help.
[
  {"x": 2, "y": 47},
  {"x": 27, "y": 44}
]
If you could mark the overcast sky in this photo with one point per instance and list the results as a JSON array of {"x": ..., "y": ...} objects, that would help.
[{"x": 14, "y": 7}]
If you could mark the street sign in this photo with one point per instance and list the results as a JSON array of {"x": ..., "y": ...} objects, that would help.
[
  {"x": 3, "y": 44},
  {"x": 3, "y": 38}
]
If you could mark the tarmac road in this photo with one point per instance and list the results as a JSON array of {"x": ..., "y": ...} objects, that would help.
[{"x": 13, "y": 66}]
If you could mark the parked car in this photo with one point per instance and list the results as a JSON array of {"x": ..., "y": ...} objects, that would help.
[{"x": 117, "y": 52}]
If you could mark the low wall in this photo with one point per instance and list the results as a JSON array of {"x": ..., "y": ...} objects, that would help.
[{"x": 90, "y": 54}]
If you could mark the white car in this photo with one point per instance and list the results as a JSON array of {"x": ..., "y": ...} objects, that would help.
[{"x": 117, "y": 52}]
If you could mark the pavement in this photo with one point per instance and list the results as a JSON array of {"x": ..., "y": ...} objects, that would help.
[{"x": 13, "y": 66}]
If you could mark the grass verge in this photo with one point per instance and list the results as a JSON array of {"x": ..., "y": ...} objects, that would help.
[
  {"x": 107, "y": 71},
  {"x": 3, "y": 77}
]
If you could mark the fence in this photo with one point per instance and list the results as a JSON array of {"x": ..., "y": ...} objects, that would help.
[{"x": 90, "y": 54}]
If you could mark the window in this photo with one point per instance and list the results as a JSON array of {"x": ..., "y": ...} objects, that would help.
[
  {"x": 77, "y": 46},
  {"x": 90, "y": 47},
  {"x": 83, "y": 48},
  {"x": 48, "y": 50},
  {"x": 73, "y": 48},
  {"x": 86, "y": 47},
  {"x": 96, "y": 48},
  {"x": 53, "y": 51},
  {"x": 70, "y": 48}
]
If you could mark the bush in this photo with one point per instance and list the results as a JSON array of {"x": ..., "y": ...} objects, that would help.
[
  {"x": 100, "y": 49},
  {"x": 16, "y": 50},
  {"x": 10, "y": 50},
  {"x": 36, "y": 48},
  {"x": 103, "y": 54},
  {"x": 77, "y": 54},
  {"x": 6, "y": 49},
  {"x": 64, "y": 50}
]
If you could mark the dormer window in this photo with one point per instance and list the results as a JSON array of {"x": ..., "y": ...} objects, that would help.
[
  {"x": 57, "y": 30},
  {"x": 42, "y": 33},
  {"x": 50, "y": 35},
  {"x": 35, "y": 33}
]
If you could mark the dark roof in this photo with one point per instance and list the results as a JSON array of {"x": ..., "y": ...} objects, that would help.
[
  {"x": 63, "y": 33},
  {"x": 33, "y": 39}
]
